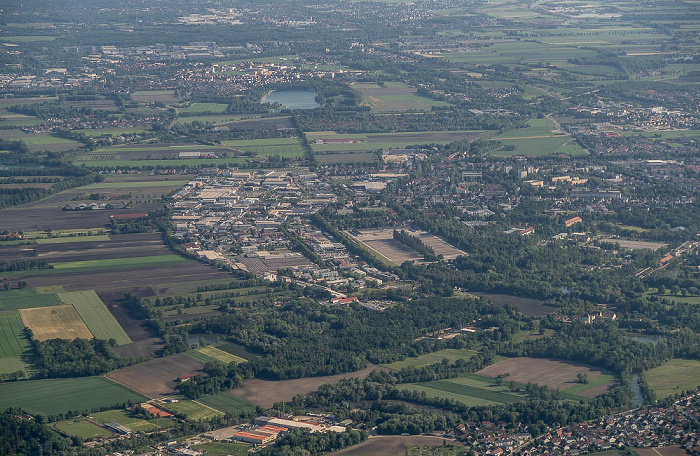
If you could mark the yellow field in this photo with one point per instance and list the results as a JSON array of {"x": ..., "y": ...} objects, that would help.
[{"x": 55, "y": 322}]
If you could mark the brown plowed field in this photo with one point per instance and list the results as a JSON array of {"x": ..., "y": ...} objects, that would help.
[
  {"x": 389, "y": 445},
  {"x": 135, "y": 329},
  {"x": 126, "y": 279},
  {"x": 545, "y": 372},
  {"x": 661, "y": 451},
  {"x": 147, "y": 348},
  {"x": 265, "y": 393},
  {"x": 157, "y": 377}
]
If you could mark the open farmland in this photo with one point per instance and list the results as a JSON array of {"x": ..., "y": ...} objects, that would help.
[
  {"x": 41, "y": 142},
  {"x": 283, "y": 147},
  {"x": 49, "y": 213},
  {"x": 155, "y": 96},
  {"x": 157, "y": 377},
  {"x": 389, "y": 445},
  {"x": 60, "y": 395},
  {"x": 210, "y": 353},
  {"x": 13, "y": 344},
  {"x": 324, "y": 142},
  {"x": 265, "y": 392},
  {"x": 674, "y": 376},
  {"x": 56, "y": 322},
  {"x": 26, "y": 298},
  {"x": 198, "y": 108},
  {"x": 560, "y": 375},
  {"x": 394, "y": 97},
  {"x": 225, "y": 402},
  {"x": 427, "y": 359},
  {"x": 541, "y": 137},
  {"x": 95, "y": 315},
  {"x": 154, "y": 154},
  {"x": 472, "y": 390},
  {"x": 267, "y": 123},
  {"x": 347, "y": 157},
  {"x": 382, "y": 242}
]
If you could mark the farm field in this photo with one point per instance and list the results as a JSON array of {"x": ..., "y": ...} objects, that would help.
[
  {"x": 82, "y": 427},
  {"x": 283, "y": 147},
  {"x": 225, "y": 402},
  {"x": 56, "y": 396},
  {"x": 192, "y": 409},
  {"x": 554, "y": 374},
  {"x": 427, "y": 359},
  {"x": 26, "y": 298},
  {"x": 55, "y": 322},
  {"x": 195, "y": 108},
  {"x": 674, "y": 376},
  {"x": 13, "y": 344},
  {"x": 97, "y": 318},
  {"x": 210, "y": 353},
  {"x": 542, "y": 137},
  {"x": 151, "y": 96},
  {"x": 265, "y": 392},
  {"x": 157, "y": 377},
  {"x": 332, "y": 142},
  {"x": 49, "y": 213},
  {"x": 394, "y": 97},
  {"x": 237, "y": 350},
  {"x": 259, "y": 124},
  {"x": 94, "y": 132},
  {"x": 389, "y": 445},
  {"x": 472, "y": 390}
]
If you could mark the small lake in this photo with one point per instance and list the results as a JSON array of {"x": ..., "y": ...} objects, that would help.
[{"x": 293, "y": 99}]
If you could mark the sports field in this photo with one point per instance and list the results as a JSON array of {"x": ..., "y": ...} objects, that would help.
[
  {"x": 674, "y": 376},
  {"x": 210, "y": 353},
  {"x": 124, "y": 418},
  {"x": 82, "y": 427},
  {"x": 97, "y": 318},
  {"x": 56, "y": 322},
  {"x": 59, "y": 395},
  {"x": 427, "y": 359},
  {"x": 193, "y": 410}
]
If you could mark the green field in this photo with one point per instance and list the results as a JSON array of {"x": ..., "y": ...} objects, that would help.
[
  {"x": 375, "y": 141},
  {"x": 131, "y": 262},
  {"x": 12, "y": 345},
  {"x": 541, "y": 137},
  {"x": 674, "y": 376},
  {"x": 60, "y": 395},
  {"x": 224, "y": 402},
  {"x": 283, "y": 147},
  {"x": 81, "y": 427},
  {"x": 26, "y": 298},
  {"x": 472, "y": 390},
  {"x": 94, "y": 313},
  {"x": 595, "y": 382},
  {"x": 124, "y": 418},
  {"x": 223, "y": 449},
  {"x": 427, "y": 359},
  {"x": 193, "y": 410},
  {"x": 71, "y": 239},
  {"x": 164, "y": 162},
  {"x": 204, "y": 107},
  {"x": 210, "y": 353}
]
